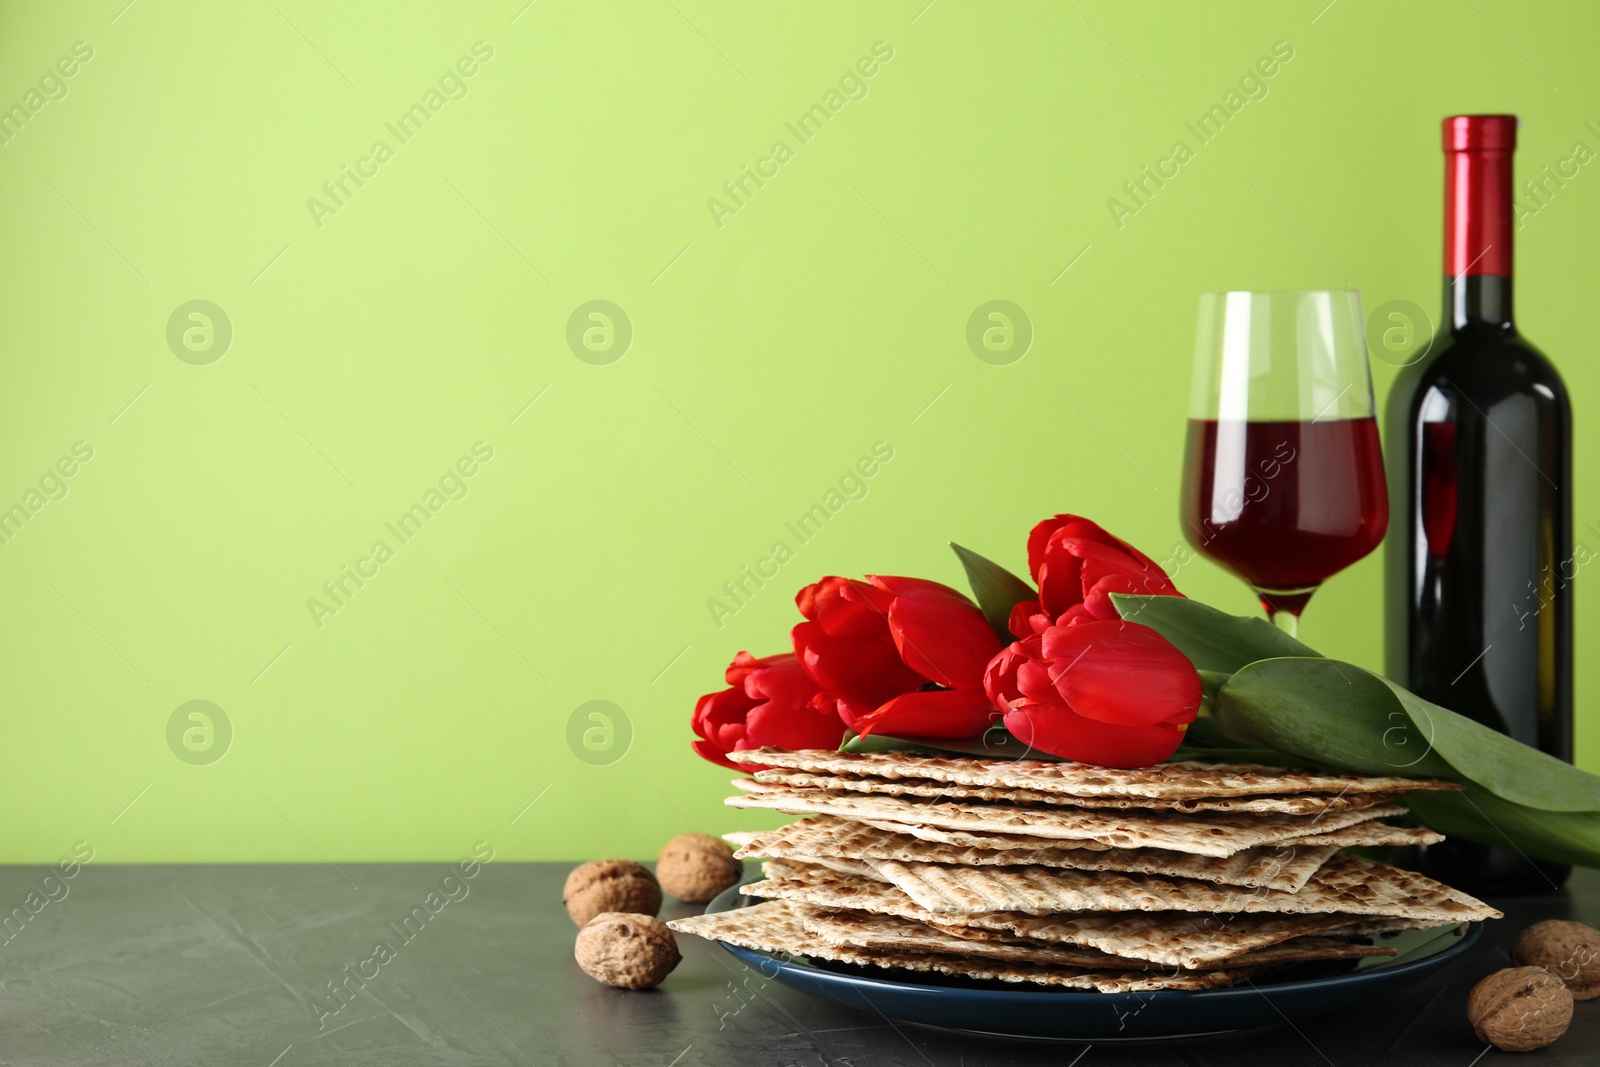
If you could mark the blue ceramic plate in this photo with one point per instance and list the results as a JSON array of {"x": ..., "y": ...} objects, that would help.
[{"x": 991, "y": 1008}]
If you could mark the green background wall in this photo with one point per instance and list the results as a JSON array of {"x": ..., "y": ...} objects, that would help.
[{"x": 374, "y": 345}]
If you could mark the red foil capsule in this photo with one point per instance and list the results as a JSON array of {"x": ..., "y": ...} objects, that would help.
[{"x": 1477, "y": 194}]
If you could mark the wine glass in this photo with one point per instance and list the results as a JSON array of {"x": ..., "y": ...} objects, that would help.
[{"x": 1283, "y": 473}]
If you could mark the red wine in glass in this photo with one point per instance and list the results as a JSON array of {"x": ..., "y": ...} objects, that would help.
[
  {"x": 1283, "y": 473},
  {"x": 1285, "y": 505}
]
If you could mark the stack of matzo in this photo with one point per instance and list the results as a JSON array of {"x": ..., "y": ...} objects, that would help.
[{"x": 1178, "y": 876}]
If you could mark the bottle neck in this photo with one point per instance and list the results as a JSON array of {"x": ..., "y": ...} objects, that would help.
[
  {"x": 1478, "y": 303},
  {"x": 1477, "y": 235},
  {"x": 1477, "y": 226},
  {"x": 1477, "y": 211}
]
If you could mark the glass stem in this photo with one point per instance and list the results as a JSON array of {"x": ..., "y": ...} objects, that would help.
[{"x": 1287, "y": 621}]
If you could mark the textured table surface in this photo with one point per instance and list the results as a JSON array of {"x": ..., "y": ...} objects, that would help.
[{"x": 226, "y": 965}]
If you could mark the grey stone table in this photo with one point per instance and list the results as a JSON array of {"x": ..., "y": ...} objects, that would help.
[{"x": 238, "y": 965}]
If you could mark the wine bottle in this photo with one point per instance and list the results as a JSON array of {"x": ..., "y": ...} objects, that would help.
[{"x": 1480, "y": 562}]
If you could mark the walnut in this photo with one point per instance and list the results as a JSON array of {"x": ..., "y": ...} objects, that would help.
[
  {"x": 610, "y": 885},
  {"x": 629, "y": 951},
  {"x": 1519, "y": 1008},
  {"x": 696, "y": 867},
  {"x": 1568, "y": 950}
]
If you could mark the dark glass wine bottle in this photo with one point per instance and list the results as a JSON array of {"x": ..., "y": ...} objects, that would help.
[{"x": 1480, "y": 562}]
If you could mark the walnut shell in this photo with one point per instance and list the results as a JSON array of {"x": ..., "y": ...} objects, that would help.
[
  {"x": 1519, "y": 1008},
  {"x": 696, "y": 867},
  {"x": 629, "y": 951},
  {"x": 610, "y": 885},
  {"x": 1569, "y": 950}
]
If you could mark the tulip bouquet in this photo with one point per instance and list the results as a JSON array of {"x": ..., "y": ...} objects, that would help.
[
  {"x": 1046, "y": 665},
  {"x": 1099, "y": 659}
]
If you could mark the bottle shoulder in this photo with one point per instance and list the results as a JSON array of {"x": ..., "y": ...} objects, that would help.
[{"x": 1482, "y": 364}]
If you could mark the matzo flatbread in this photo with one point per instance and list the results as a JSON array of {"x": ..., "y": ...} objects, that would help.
[
  {"x": 1343, "y": 885},
  {"x": 891, "y": 933},
  {"x": 1301, "y": 804},
  {"x": 1170, "y": 780},
  {"x": 1178, "y": 939},
  {"x": 1371, "y": 834},
  {"x": 773, "y": 927},
  {"x": 802, "y": 868},
  {"x": 824, "y": 837},
  {"x": 1206, "y": 834},
  {"x": 978, "y": 838},
  {"x": 1379, "y": 927}
]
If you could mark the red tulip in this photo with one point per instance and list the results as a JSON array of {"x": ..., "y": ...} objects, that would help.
[
  {"x": 1077, "y": 566},
  {"x": 770, "y": 701},
  {"x": 1115, "y": 694},
  {"x": 901, "y": 655}
]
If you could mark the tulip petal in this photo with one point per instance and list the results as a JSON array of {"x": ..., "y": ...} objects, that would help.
[
  {"x": 902, "y": 587},
  {"x": 1000, "y": 677},
  {"x": 1045, "y": 533},
  {"x": 1122, "y": 673},
  {"x": 780, "y": 677},
  {"x": 1027, "y": 618},
  {"x": 770, "y": 701},
  {"x": 1057, "y": 730},
  {"x": 1106, "y": 571},
  {"x": 844, "y": 607},
  {"x": 851, "y": 714},
  {"x": 1083, "y": 531},
  {"x": 785, "y": 726},
  {"x": 714, "y": 711},
  {"x": 1078, "y": 613},
  {"x": 1068, "y": 556},
  {"x": 1100, "y": 562},
  {"x": 1060, "y": 580},
  {"x": 1097, "y": 602},
  {"x": 1038, "y": 538},
  {"x": 941, "y": 714},
  {"x": 741, "y": 666},
  {"x": 862, "y": 671},
  {"x": 945, "y": 640},
  {"x": 1035, "y": 684},
  {"x": 868, "y": 598}
]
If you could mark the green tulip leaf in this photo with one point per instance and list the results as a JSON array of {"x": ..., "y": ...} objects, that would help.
[
  {"x": 1205, "y": 733},
  {"x": 996, "y": 589},
  {"x": 1333, "y": 714},
  {"x": 1204, "y": 741},
  {"x": 1228, "y": 754},
  {"x": 1211, "y": 683},
  {"x": 1343, "y": 716},
  {"x": 1213, "y": 640},
  {"x": 996, "y": 744},
  {"x": 1478, "y": 815}
]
